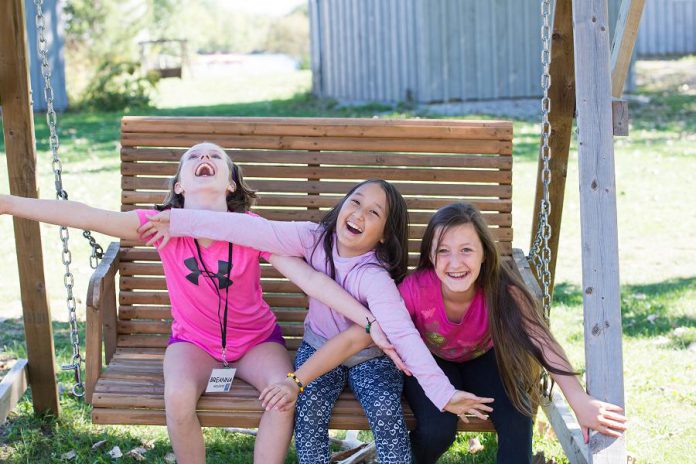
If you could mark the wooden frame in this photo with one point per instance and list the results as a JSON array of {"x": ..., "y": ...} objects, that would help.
[
  {"x": 18, "y": 126},
  {"x": 595, "y": 86},
  {"x": 12, "y": 387}
]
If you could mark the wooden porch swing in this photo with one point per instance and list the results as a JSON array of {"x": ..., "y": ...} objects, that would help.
[{"x": 301, "y": 167}]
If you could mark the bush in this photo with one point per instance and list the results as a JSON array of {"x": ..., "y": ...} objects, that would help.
[{"x": 119, "y": 85}]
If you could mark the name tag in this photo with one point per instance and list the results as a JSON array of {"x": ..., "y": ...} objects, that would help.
[{"x": 220, "y": 380}]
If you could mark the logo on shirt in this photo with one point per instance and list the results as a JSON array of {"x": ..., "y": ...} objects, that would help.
[{"x": 221, "y": 275}]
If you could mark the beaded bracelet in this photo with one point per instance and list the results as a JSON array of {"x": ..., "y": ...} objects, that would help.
[{"x": 293, "y": 377}]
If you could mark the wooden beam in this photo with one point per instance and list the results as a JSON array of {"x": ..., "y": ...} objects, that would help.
[
  {"x": 566, "y": 428},
  {"x": 599, "y": 235},
  {"x": 624, "y": 39},
  {"x": 619, "y": 117},
  {"x": 18, "y": 125},
  {"x": 562, "y": 94},
  {"x": 12, "y": 387}
]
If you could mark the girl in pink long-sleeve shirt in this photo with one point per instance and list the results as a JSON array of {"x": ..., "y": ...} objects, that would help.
[
  {"x": 219, "y": 316},
  {"x": 362, "y": 244}
]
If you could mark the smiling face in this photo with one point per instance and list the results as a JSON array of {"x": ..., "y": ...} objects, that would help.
[
  {"x": 361, "y": 220},
  {"x": 204, "y": 168},
  {"x": 457, "y": 259}
]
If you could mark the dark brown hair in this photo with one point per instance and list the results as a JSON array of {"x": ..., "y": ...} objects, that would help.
[
  {"x": 239, "y": 201},
  {"x": 516, "y": 324}
]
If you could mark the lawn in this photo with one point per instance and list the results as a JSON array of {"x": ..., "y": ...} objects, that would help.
[{"x": 657, "y": 256}]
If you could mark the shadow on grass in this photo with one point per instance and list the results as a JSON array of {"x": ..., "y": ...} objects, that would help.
[{"x": 647, "y": 310}]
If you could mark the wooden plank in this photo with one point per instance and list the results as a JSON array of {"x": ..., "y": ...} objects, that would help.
[
  {"x": 625, "y": 35},
  {"x": 12, "y": 388},
  {"x": 619, "y": 117},
  {"x": 163, "y": 312},
  {"x": 321, "y": 127},
  {"x": 415, "y": 232},
  {"x": 599, "y": 235},
  {"x": 566, "y": 428},
  {"x": 343, "y": 172},
  {"x": 323, "y": 143},
  {"x": 266, "y": 200},
  {"x": 244, "y": 157},
  {"x": 162, "y": 298},
  {"x": 562, "y": 94},
  {"x": 18, "y": 127},
  {"x": 245, "y": 419},
  {"x": 296, "y": 186}
]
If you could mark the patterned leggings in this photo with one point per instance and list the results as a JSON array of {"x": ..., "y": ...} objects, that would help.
[{"x": 377, "y": 384}]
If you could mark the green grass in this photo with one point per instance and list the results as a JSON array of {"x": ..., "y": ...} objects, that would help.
[{"x": 655, "y": 217}]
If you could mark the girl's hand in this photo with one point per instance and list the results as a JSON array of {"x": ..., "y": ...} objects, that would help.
[
  {"x": 281, "y": 395},
  {"x": 156, "y": 229},
  {"x": 463, "y": 403},
  {"x": 382, "y": 342},
  {"x": 605, "y": 418}
]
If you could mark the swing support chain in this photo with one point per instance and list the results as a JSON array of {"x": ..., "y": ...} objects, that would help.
[
  {"x": 540, "y": 252},
  {"x": 78, "y": 388}
]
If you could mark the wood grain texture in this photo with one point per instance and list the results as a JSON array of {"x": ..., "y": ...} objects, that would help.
[{"x": 599, "y": 235}]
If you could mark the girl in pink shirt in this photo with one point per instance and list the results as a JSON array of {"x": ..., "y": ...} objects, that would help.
[
  {"x": 487, "y": 334},
  {"x": 219, "y": 316}
]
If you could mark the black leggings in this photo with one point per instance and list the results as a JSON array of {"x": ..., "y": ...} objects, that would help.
[{"x": 435, "y": 431}]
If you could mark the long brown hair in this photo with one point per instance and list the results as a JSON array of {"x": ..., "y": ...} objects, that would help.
[
  {"x": 239, "y": 201},
  {"x": 518, "y": 356}
]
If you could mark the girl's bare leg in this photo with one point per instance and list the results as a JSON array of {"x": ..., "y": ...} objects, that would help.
[
  {"x": 187, "y": 369},
  {"x": 263, "y": 365}
]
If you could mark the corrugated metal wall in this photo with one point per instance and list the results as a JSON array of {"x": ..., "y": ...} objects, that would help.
[
  {"x": 668, "y": 27},
  {"x": 427, "y": 50},
  {"x": 53, "y": 12}
]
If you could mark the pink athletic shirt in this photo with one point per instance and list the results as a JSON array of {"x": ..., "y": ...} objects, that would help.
[
  {"x": 194, "y": 297},
  {"x": 362, "y": 276},
  {"x": 453, "y": 341}
]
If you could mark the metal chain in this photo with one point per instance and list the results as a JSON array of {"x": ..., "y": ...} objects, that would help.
[
  {"x": 78, "y": 388},
  {"x": 540, "y": 253}
]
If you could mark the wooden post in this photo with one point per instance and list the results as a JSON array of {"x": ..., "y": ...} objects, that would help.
[
  {"x": 12, "y": 388},
  {"x": 18, "y": 124},
  {"x": 600, "y": 253},
  {"x": 624, "y": 39},
  {"x": 562, "y": 94}
]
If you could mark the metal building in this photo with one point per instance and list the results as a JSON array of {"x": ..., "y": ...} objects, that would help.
[
  {"x": 53, "y": 13},
  {"x": 668, "y": 28},
  {"x": 427, "y": 51}
]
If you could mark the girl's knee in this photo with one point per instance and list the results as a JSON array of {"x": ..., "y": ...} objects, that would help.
[{"x": 180, "y": 402}]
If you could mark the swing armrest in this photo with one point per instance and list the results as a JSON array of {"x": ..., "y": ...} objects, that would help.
[
  {"x": 522, "y": 265},
  {"x": 101, "y": 317}
]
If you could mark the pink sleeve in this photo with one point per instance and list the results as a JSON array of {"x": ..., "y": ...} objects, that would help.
[
  {"x": 386, "y": 304},
  {"x": 276, "y": 237}
]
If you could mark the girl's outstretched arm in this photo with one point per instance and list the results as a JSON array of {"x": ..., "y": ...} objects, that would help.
[
  {"x": 72, "y": 214},
  {"x": 320, "y": 286},
  {"x": 282, "y": 395},
  {"x": 591, "y": 413},
  {"x": 286, "y": 238}
]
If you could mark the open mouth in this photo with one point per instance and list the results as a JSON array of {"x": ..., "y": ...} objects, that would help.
[
  {"x": 457, "y": 275},
  {"x": 353, "y": 228},
  {"x": 205, "y": 170}
]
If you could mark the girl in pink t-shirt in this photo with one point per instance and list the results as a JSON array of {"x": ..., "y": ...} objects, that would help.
[
  {"x": 488, "y": 336},
  {"x": 219, "y": 316}
]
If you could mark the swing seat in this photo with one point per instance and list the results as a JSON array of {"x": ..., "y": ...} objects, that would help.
[{"x": 301, "y": 167}]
